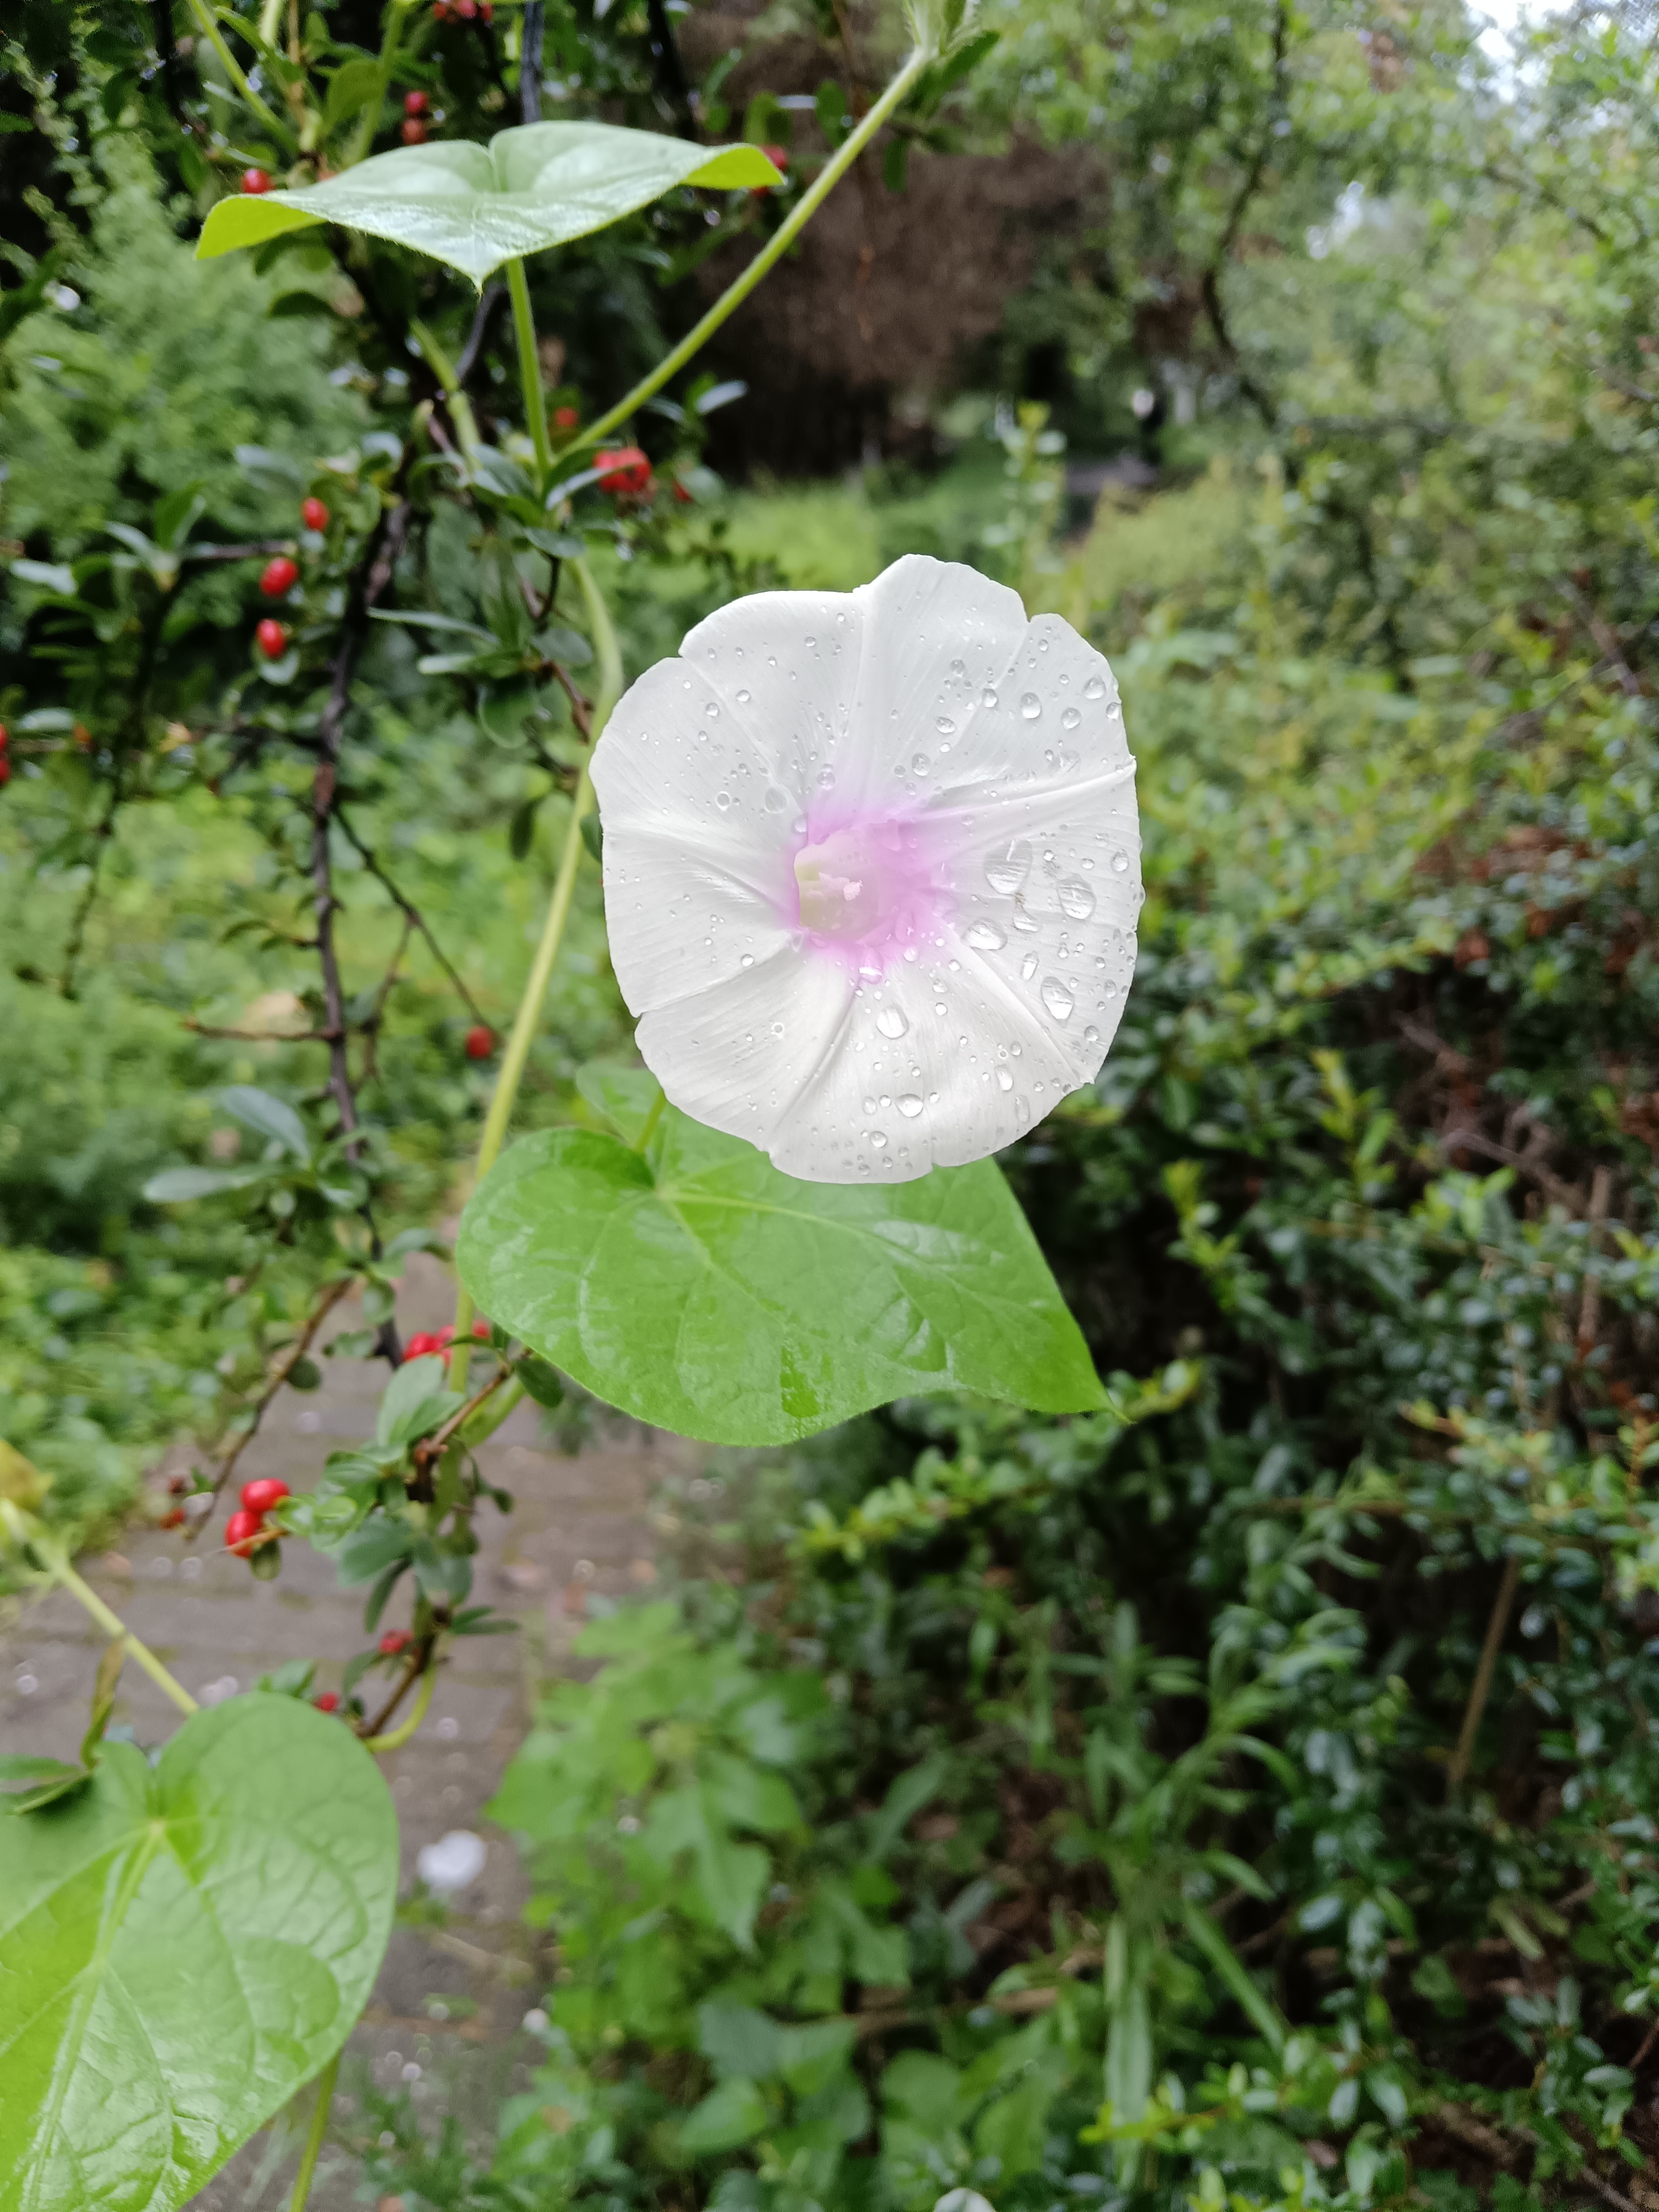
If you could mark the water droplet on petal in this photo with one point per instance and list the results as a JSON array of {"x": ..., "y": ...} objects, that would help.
[
  {"x": 1120, "y": 864},
  {"x": 826, "y": 779},
  {"x": 747, "y": 961},
  {"x": 986, "y": 937},
  {"x": 722, "y": 799},
  {"x": 920, "y": 764},
  {"x": 777, "y": 1029},
  {"x": 712, "y": 711},
  {"x": 909, "y": 1105},
  {"x": 1076, "y": 898},
  {"x": 1028, "y": 968},
  {"x": 743, "y": 698},
  {"x": 1056, "y": 997},
  {"x": 891, "y": 1023},
  {"x": 1092, "y": 1035},
  {"x": 877, "y": 1139},
  {"x": 1007, "y": 869},
  {"x": 1095, "y": 688},
  {"x": 1070, "y": 719},
  {"x": 1031, "y": 706},
  {"x": 987, "y": 697},
  {"x": 945, "y": 727},
  {"x": 1005, "y": 1081}
]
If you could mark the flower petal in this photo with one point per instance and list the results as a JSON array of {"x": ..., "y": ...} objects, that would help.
[
  {"x": 739, "y": 1055},
  {"x": 938, "y": 637},
  {"x": 785, "y": 667}
]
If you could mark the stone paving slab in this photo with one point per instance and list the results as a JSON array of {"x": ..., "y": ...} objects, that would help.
[{"x": 446, "y": 2019}]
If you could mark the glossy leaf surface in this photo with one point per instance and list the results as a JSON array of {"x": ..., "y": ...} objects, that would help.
[
  {"x": 182, "y": 1949},
  {"x": 696, "y": 1287},
  {"x": 476, "y": 207}
]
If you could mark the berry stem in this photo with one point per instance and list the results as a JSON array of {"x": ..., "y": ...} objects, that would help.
[
  {"x": 58, "y": 1567},
  {"x": 530, "y": 373},
  {"x": 319, "y": 2128},
  {"x": 781, "y": 239},
  {"x": 547, "y": 952}
]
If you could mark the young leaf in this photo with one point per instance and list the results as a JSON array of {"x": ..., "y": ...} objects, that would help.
[
  {"x": 267, "y": 1117},
  {"x": 699, "y": 1289},
  {"x": 182, "y": 1948},
  {"x": 476, "y": 207}
]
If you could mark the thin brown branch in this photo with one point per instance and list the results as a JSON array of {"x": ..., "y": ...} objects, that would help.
[
  {"x": 331, "y": 1298},
  {"x": 413, "y": 1666},
  {"x": 1458, "y": 1766},
  {"x": 405, "y": 906},
  {"x": 261, "y": 1036}
]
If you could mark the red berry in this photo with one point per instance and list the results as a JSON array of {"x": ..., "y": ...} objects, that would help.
[
  {"x": 441, "y": 11},
  {"x": 627, "y": 470},
  {"x": 327, "y": 1701},
  {"x": 466, "y": 10},
  {"x": 486, "y": 11},
  {"x": 263, "y": 1492},
  {"x": 394, "y": 1641},
  {"x": 5, "y": 737},
  {"x": 242, "y": 1530},
  {"x": 420, "y": 1345},
  {"x": 256, "y": 181},
  {"x": 415, "y": 103},
  {"x": 314, "y": 515},
  {"x": 278, "y": 577},
  {"x": 414, "y": 132},
  {"x": 271, "y": 638},
  {"x": 480, "y": 1042},
  {"x": 5, "y": 771},
  {"x": 173, "y": 1520},
  {"x": 567, "y": 418},
  {"x": 681, "y": 493}
]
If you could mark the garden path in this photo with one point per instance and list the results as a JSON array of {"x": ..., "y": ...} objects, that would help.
[{"x": 446, "y": 2021}]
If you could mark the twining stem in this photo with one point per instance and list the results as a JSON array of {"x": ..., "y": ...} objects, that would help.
[
  {"x": 610, "y": 690},
  {"x": 308, "y": 2157},
  {"x": 395, "y": 1739},
  {"x": 1480, "y": 1689},
  {"x": 460, "y": 407},
  {"x": 203, "y": 15},
  {"x": 529, "y": 372},
  {"x": 781, "y": 239},
  {"x": 113, "y": 1626}
]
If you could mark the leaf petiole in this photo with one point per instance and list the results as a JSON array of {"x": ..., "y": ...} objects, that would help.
[
  {"x": 58, "y": 1567},
  {"x": 308, "y": 2157}
]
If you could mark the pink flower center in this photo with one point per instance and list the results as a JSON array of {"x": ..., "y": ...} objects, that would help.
[{"x": 866, "y": 887}]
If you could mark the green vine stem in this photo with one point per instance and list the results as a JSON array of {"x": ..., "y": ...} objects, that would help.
[
  {"x": 395, "y": 1739},
  {"x": 319, "y": 2129},
  {"x": 202, "y": 10},
  {"x": 58, "y": 1568},
  {"x": 785, "y": 236},
  {"x": 363, "y": 138},
  {"x": 529, "y": 372},
  {"x": 651, "y": 1120},
  {"x": 547, "y": 952}
]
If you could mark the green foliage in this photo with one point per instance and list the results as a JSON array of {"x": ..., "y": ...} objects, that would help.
[
  {"x": 678, "y": 1274},
  {"x": 184, "y": 1946}
]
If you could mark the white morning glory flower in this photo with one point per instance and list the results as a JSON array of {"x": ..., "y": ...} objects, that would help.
[{"x": 871, "y": 870}]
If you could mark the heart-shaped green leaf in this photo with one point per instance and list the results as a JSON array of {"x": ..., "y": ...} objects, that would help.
[
  {"x": 182, "y": 1949},
  {"x": 698, "y": 1288},
  {"x": 475, "y": 206}
]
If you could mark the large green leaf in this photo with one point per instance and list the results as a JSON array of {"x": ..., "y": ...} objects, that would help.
[
  {"x": 181, "y": 1947},
  {"x": 698, "y": 1288},
  {"x": 475, "y": 206}
]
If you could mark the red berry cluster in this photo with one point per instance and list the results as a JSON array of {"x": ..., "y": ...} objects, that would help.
[
  {"x": 425, "y": 1341},
  {"x": 626, "y": 471},
  {"x": 246, "y": 1530},
  {"x": 279, "y": 576}
]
